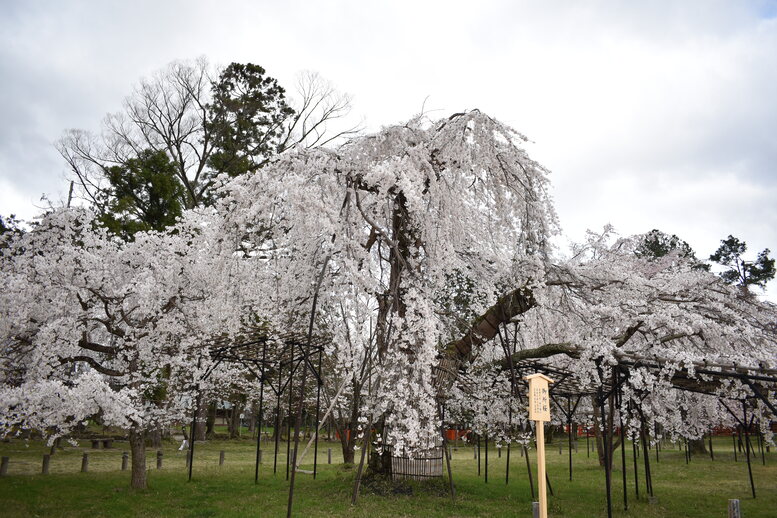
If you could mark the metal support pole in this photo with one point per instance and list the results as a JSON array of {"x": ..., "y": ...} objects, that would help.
[
  {"x": 528, "y": 468},
  {"x": 278, "y": 416},
  {"x": 478, "y": 454},
  {"x": 747, "y": 446},
  {"x": 193, "y": 432},
  {"x": 734, "y": 440},
  {"x": 623, "y": 448},
  {"x": 587, "y": 443},
  {"x": 606, "y": 448},
  {"x": 486, "y": 477},
  {"x": 507, "y": 465},
  {"x": 291, "y": 402},
  {"x": 636, "y": 470},
  {"x": 261, "y": 415},
  {"x": 712, "y": 454},
  {"x": 648, "y": 478},
  {"x": 318, "y": 414}
]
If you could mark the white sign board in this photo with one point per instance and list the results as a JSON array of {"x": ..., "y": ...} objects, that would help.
[{"x": 539, "y": 397}]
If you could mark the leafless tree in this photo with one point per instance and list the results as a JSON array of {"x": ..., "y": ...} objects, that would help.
[{"x": 170, "y": 112}]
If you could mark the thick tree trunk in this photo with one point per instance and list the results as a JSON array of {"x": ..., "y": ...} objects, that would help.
[
  {"x": 252, "y": 423},
  {"x": 155, "y": 437},
  {"x": 238, "y": 403},
  {"x": 202, "y": 413},
  {"x": 348, "y": 452},
  {"x": 137, "y": 442},
  {"x": 698, "y": 446},
  {"x": 234, "y": 423}
]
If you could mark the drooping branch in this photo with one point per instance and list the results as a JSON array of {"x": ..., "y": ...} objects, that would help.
[{"x": 484, "y": 328}]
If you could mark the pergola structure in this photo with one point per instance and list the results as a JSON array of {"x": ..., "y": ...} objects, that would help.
[
  {"x": 265, "y": 354},
  {"x": 566, "y": 393}
]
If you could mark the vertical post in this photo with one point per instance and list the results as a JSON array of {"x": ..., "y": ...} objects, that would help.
[
  {"x": 733, "y": 509},
  {"x": 507, "y": 465},
  {"x": 4, "y": 466},
  {"x": 648, "y": 478},
  {"x": 712, "y": 454},
  {"x": 623, "y": 439},
  {"x": 292, "y": 368},
  {"x": 329, "y": 455},
  {"x": 159, "y": 459},
  {"x": 761, "y": 446},
  {"x": 587, "y": 443},
  {"x": 222, "y": 454},
  {"x": 278, "y": 416},
  {"x": 747, "y": 446},
  {"x": 318, "y": 413},
  {"x": 569, "y": 423},
  {"x": 636, "y": 470},
  {"x": 734, "y": 440},
  {"x": 46, "y": 461},
  {"x": 261, "y": 415},
  {"x": 539, "y": 412},
  {"x": 85, "y": 463},
  {"x": 535, "y": 509},
  {"x": 478, "y": 451},
  {"x": 525, "y": 452},
  {"x": 486, "y": 477},
  {"x": 124, "y": 460},
  {"x": 193, "y": 432},
  {"x": 606, "y": 447},
  {"x": 541, "y": 481}
]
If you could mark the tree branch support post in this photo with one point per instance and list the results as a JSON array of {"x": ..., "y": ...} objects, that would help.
[{"x": 539, "y": 412}]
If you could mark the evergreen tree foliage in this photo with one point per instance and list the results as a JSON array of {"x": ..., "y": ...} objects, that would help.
[
  {"x": 247, "y": 115},
  {"x": 659, "y": 244},
  {"x": 740, "y": 272},
  {"x": 144, "y": 194}
]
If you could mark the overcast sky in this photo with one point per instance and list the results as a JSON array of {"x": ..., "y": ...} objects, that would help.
[{"x": 649, "y": 114}]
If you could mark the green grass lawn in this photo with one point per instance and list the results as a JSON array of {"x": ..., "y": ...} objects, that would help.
[{"x": 700, "y": 489}]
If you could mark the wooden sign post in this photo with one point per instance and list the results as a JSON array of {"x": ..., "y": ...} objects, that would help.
[{"x": 539, "y": 412}]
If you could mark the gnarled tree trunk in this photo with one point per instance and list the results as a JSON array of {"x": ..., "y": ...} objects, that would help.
[{"x": 137, "y": 440}]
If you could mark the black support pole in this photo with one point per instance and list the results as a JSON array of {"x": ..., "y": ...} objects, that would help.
[
  {"x": 507, "y": 465},
  {"x": 193, "y": 432},
  {"x": 528, "y": 469},
  {"x": 648, "y": 478},
  {"x": 712, "y": 454},
  {"x": 606, "y": 448},
  {"x": 636, "y": 468},
  {"x": 278, "y": 417},
  {"x": 261, "y": 415},
  {"x": 745, "y": 425},
  {"x": 478, "y": 454},
  {"x": 486, "y": 466},
  {"x": 623, "y": 449},
  {"x": 318, "y": 413}
]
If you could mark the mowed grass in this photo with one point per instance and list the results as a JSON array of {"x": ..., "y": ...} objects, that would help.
[{"x": 700, "y": 489}]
